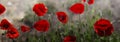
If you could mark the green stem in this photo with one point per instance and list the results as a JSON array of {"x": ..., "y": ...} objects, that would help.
[{"x": 13, "y": 40}]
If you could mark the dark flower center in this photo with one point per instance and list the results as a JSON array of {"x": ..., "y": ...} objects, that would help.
[
  {"x": 5, "y": 25},
  {"x": 62, "y": 17},
  {"x": 101, "y": 33},
  {"x": 72, "y": 40},
  {"x": 103, "y": 25},
  {"x": 1, "y": 9},
  {"x": 12, "y": 32}
]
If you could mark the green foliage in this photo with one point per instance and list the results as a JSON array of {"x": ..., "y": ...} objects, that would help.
[
  {"x": 51, "y": 7},
  {"x": 84, "y": 31}
]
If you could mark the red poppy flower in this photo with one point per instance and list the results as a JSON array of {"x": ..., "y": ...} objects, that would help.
[
  {"x": 62, "y": 17},
  {"x": 5, "y": 24},
  {"x": 103, "y": 27},
  {"x": 40, "y": 9},
  {"x": 12, "y": 33},
  {"x": 41, "y": 25},
  {"x": 84, "y": 1},
  {"x": 70, "y": 39},
  {"x": 25, "y": 28},
  {"x": 2, "y": 9},
  {"x": 77, "y": 8},
  {"x": 90, "y": 2}
]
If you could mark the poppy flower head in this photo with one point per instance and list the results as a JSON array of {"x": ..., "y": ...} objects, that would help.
[
  {"x": 41, "y": 25},
  {"x": 2, "y": 9},
  {"x": 70, "y": 39},
  {"x": 25, "y": 28},
  {"x": 103, "y": 24},
  {"x": 83, "y": 1},
  {"x": 62, "y": 17},
  {"x": 40, "y": 9},
  {"x": 5, "y": 24},
  {"x": 77, "y": 8},
  {"x": 103, "y": 27},
  {"x": 90, "y": 2},
  {"x": 12, "y": 33}
]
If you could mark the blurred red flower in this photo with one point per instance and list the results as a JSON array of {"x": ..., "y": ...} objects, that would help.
[
  {"x": 12, "y": 33},
  {"x": 90, "y": 2},
  {"x": 84, "y": 1},
  {"x": 62, "y": 17},
  {"x": 77, "y": 8},
  {"x": 41, "y": 25},
  {"x": 2, "y": 9},
  {"x": 40, "y": 9},
  {"x": 103, "y": 27},
  {"x": 70, "y": 39},
  {"x": 25, "y": 28},
  {"x": 5, "y": 24}
]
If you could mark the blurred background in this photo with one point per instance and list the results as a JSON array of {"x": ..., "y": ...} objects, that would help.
[{"x": 20, "y": 12}]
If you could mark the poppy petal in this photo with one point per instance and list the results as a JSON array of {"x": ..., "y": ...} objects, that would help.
[
  {"x": 25, "y": 28},
  {"x": 12, "y": 33},
  {"x": 70, "y": 39},
  {"x": 62, "y": 17},
  {"x": 40, "y": 9},
  {"x": 90, "y": 2},
  {"x": 5, "y": 24},
  {"x": 41, "y": 25},
  {"x": 103, "y": 27},
  {"x": 77, "y": 8},
  {"x": 83, "y": 1},
  {"x": 2, "y": 9}
]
